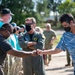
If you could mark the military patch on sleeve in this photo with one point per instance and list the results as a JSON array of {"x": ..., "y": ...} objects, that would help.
[{"x": 35, "y": 39}]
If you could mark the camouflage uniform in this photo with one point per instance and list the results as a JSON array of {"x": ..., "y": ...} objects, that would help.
[{"x": 48, "y": 35}]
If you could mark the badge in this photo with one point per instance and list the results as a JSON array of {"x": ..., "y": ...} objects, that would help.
[{"x": 35, "y": 39}]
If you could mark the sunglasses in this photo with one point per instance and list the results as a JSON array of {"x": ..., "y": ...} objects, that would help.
[{"x": 9, "y": 31}]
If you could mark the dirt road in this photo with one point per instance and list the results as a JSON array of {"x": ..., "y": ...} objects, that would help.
[{"x": 57, "y": 65}]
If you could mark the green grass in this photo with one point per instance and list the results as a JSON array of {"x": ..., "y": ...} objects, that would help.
[{"x": 57, "y": 40}]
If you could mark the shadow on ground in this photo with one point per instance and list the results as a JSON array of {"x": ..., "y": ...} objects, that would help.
[{"x": 63, "y": 69}]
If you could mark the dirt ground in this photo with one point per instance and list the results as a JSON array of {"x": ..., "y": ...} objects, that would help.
[{"x": 57, "y": 65}]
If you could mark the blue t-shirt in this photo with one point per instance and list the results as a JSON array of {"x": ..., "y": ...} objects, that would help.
[
  {"x": 67, "y": 42},
  {"x": 13, "y": 40},
  {"x": 1, "y": 24}
]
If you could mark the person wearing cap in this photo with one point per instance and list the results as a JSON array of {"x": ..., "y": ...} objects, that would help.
[
  {"x": 22, "y": 29},
  {"x": 6, "y": 16},
  {"x": 6, "y": 48},
  {"x": 32, "y": 40},
  {"x": 13, "y": 40}
]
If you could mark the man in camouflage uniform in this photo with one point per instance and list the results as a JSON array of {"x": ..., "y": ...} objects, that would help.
[
  {"x": 32, "y": 40},
  {"x": 50, "y": 37}
]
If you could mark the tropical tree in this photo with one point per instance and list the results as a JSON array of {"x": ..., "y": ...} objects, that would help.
[
  {"x": 20, "y": 8},
  {"x": 52, "y": 5},
  {"x": 66, "y": 7},
  {"x": 42, "y": 10}
]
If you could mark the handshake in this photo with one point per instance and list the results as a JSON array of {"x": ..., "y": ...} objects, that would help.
[{"x": 37, "y": 52}]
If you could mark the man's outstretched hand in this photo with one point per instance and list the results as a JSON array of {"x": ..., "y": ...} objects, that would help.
[
  {"x": 34, "y": 53},
  {"x": 39, "y": 52}
]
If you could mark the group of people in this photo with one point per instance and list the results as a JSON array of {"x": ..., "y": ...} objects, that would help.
[
  {"x": 34, "y": 44},
  {"x": 6, "y": 30}
]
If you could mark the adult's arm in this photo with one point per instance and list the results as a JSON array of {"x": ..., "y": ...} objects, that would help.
[
  {"x": 24, "y": 44},
  {"x": 50, "y": 51},
  {"x": 40, "y": 43},
  {"x": 21, "y": 53}
]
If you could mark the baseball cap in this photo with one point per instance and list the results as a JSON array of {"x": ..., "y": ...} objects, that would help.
[
  {"x": 13, "y": 24},
  {"x": 6, "y": 11},
  {"x": 22, "y": 26}
]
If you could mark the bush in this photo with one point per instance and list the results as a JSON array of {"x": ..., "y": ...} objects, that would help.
[{"x": 57, "y": 40}]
